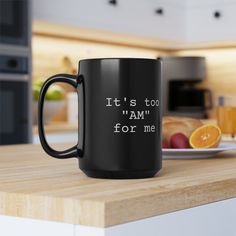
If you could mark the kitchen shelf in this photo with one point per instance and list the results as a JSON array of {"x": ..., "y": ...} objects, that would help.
[{"x": 59, "y": 30}]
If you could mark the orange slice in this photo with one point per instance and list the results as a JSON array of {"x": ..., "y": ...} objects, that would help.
[{"x": 206, "y": 136}]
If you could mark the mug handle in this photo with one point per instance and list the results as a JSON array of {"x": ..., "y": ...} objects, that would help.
[{"x": 77, "y": 150}]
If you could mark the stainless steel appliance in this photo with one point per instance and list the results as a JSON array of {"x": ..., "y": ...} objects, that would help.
[
  {"x": 15, "y": 72},
  {"x": 181, "y": 94},
  {"x": 14, "y": 20}
]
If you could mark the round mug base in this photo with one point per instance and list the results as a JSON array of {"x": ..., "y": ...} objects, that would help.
[{"x": 120, "y": 174}]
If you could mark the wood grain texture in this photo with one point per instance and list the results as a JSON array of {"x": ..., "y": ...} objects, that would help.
[
  {"x": 45, "y": 28},
  {"x": 35, "y": 185},
  {"x": 57, "y": 30}
]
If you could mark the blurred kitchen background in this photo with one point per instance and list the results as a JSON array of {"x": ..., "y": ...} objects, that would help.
[{"x": 195, "y": 38}]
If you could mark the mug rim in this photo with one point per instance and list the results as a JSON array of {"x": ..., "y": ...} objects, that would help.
[{"x": 120, "y": 58}]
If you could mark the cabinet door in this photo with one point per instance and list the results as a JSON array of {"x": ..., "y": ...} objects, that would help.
[
  {"x": 214, "y": 219},
  {"x": 14, "y": 121},
  {"x": 135, "y": 17},
  {"x": 211, "y": 21},
  {"x": 16, "y": 226}
]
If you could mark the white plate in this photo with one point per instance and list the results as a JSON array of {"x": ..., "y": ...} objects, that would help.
[{"x": 188, "y": 153}]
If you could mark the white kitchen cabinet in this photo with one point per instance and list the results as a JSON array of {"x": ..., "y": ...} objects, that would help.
[
  {"x": 16, "y": 226},
  {"x": 189, "y": 21},
  {"x": 211, "y": 21},
  {"x": 212, "y": 219},
  {"x": 135, "y": 17}
]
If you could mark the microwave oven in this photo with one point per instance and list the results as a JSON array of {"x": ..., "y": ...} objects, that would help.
[{"x": 14, "y": 20}]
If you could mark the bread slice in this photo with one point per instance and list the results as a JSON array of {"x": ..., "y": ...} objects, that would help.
[{"x": 172, "y": 125}]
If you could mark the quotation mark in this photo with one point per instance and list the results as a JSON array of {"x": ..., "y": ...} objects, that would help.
[{"x": 126, "y": 112}]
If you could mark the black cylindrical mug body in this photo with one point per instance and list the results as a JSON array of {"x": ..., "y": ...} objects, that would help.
[{"x": 119, "y": 117}]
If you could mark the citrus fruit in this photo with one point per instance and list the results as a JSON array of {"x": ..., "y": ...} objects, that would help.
[{"x": 206, "y": 136}]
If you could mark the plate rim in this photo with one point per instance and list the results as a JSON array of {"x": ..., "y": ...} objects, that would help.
[{"x": 229, "y": 147}]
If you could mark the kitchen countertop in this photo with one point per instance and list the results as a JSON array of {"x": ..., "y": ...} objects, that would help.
[
  {"x": 57, "y": 127},
  {"x": 37, "y": 186}
]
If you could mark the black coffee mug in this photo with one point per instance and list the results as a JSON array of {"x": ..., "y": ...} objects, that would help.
[{"x": 119, "y": 117}]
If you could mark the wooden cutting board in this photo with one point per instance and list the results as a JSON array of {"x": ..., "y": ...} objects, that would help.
[{"x": 37, "y": 186}]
